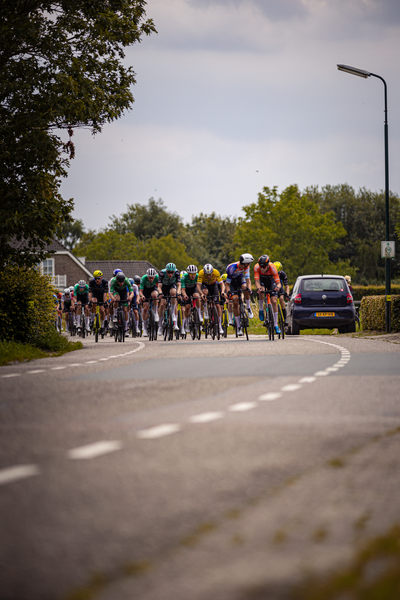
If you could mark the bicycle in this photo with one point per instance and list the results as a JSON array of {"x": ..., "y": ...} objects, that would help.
[
  {"x": 96, "y": 323},
  {"x": 268, "y": 317},
  {"x": 194, "y": 321},
  {"x": 151, "y": 322},
  {"x": 225, "y": 321},
  {"x": 213, "y": 322},
  {"x": 119, "y": 326},
  {"x": 244, "y": 317},
  {"x": 281, "y": 322},
  {"x": 167, "y": 320},
  {"x": 179, "y": 333}
]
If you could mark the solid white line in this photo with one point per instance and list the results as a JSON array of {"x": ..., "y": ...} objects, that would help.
[
  {"x": 242, "y": 406},
  {"x": 291, "y": 387},
  {"x": 307, "y": 379},
  {"x": 206, "y": 417},
  {"x": 158, "y": 431},
  {"x": 270, "y": 396},
  {"x": 94, "y": 450},
  {"x": 19, "y": 472}
]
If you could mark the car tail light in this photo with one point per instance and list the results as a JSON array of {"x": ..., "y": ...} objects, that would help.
[
  {"x": 349, "y": 299},
  {"x": 297, "y": 299}
]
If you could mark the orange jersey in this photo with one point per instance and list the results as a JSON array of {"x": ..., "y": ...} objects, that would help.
[{"x": 269, "y": 271}]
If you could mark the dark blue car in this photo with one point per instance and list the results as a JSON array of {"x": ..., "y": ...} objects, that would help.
[{"x": 321, "y": 302}]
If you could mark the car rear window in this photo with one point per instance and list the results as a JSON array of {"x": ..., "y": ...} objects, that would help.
[{"x": 323, "y": 285}]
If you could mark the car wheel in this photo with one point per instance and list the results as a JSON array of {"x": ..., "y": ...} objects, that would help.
[
  {"x": 295, "y": 328},
  {"x": 351, "y": 328}
]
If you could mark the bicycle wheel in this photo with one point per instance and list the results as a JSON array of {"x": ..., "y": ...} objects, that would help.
[
  {"x": 192, "y": 327},
  {"x": 216, "y": 323},
  {"x": 96, "y": 328},
  {"x": 271, "y": 330},
  {"x": 179, "y": 321},
  {"x": 225, "y": 322},
  {"x": 150, "y": 322},
  {"x": 244, "y": 321},
  {"x": 165, "y": 325},
  {"x": 281, "y": 322},
  {"x": 197, "y": 324}
]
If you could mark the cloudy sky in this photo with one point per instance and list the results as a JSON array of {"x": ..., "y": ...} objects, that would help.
[{"x": 235, "y": 95}]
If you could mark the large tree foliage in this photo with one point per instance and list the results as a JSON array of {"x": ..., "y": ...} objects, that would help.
[
  {"x": 148, "y": 220},
  {"x": 289, "y": 227},
  {"x": 362, "y": 214},
  {"x": 211, "y": 239},
  {"x": 61, "y": 67}
]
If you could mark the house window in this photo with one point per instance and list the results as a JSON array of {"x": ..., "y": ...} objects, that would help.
[{"x": 47, "y": 267}]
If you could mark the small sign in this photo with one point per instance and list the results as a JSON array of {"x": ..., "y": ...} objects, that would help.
[{"x": 387, "y": 250}]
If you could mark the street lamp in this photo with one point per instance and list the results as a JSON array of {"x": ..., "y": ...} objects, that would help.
[{"x": 366, "y": 74}]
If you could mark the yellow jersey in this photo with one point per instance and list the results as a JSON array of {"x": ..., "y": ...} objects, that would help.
[{"x": 209, "y": 279}]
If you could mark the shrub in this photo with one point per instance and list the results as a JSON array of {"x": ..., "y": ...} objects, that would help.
[
  {"x": 27, "y": 306},
  {"x": 359, "y": 291},
  {"x": 374, "y": 313}
]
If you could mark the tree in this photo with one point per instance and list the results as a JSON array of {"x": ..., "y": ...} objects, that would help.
[
  {"x": 211, "y": 239},
  {"x": 148, "y": 221},
  {"x": 61, "y": 67},
  {"x": 72, "y": 232},
  {"x": 362, "y": 214},
  {"x": 290, "y": 228}
]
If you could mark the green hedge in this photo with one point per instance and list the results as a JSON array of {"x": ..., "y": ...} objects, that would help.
[
  {"x": 373, "y": 313},
  {"x": 27, "y": 307},
  {"x": 359, "y": 291}
]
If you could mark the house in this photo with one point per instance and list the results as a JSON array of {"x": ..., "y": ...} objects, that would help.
[{"x": 129, "y": 267}]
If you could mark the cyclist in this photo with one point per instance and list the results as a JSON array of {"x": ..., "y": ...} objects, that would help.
[
  {"x": 67, "y": 304},
  {"x": 147, "y": 290},
  {"x": 81, "y": 297},
  {"x": 134, "y": 305},
  {"x": 267, "y": 282},
  {"x": 121, "y": 291},
  {"x": 229, "y": 303},
  {"x": 283, "y": 292},
  {"x": 209, "y": 279},
  {"x": 98, "y": 288},
  {"x": 169, "y": 284},
  {"x": 238, "y": 279},
  {"x": 189, "y": 291}
]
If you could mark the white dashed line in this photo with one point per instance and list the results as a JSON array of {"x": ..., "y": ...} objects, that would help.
[
  {"x": 291, "y": 387},
  {"x": 158, "y": 431},
  {"x": 242, "y": 406},
  {"x": 206, "y": 417},
  {"x": 91, "y": 362},
  {"x": 19, "y": 472},
  {"x": 57, "y": 368},
  {"x": 11, "y": 375},
  {"x": 307, "y": 379},
  {"x": 270, "y": 396},
  {"x": 36, "y": 371},
  {"x": 321, "y": 373},
  {"x": 94, "y": 450}
]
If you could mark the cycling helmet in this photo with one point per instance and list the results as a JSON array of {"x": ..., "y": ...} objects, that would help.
[
  {"x": 120, "y": 276},
  {"x": 117, "y": 271},
  {"x": 131, "y": 281},
  {"x": 246, "y": 259},
  {"x": 71, "y": 288},
  {"x": 98, "y": 273},
  {"x": 151, "y": 272},
  {"x": 208, "y": 269},
  {"x": 224, "y": 277},
  {"x": 170, "y": 267},
  {"x": 278, "y": 266},
  {"x": 81, "y": 283},
  {"x": 183, "y": 273},
  {"x": 192, "y": 269},
  {"x": 137, "y": 279},
  {"x": 67, "y": 291},
  {"x": 263, "y": 261}
]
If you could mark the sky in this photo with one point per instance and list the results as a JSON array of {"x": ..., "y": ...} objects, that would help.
[{"x": 235, "y": 95}]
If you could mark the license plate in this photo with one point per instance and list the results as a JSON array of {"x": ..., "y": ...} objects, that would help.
[{"x": 325, "y": 314}]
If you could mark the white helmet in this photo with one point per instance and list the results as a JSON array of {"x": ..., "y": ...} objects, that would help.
[
  {"x": 183, "y": 273},
  {"x": 192, "y": 269},
  {"x": 81, "y": 283},
  {"x": 71, "y": 288},
  {"x": 246, "y": 259},
  {"x": 67, "y": 291},
  {"x": 151, "y": 272},
  {"x": 208, "y": 269}
]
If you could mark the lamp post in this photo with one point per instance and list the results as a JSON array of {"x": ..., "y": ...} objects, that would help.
[{"x": 365, "y": 75}]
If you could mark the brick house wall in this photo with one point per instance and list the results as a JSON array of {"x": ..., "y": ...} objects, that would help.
[{"x": 65, "y": 265}]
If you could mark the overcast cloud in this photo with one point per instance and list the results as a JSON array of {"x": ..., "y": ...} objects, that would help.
[{"x": 235, "y": 95}]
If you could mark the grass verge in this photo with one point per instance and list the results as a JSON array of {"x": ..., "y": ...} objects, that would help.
[{"x": 50, "y": 345}]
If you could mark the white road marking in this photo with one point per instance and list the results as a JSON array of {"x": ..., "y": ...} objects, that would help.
[
  {"x": 321, "y": 373},
  {"x": 158, "y": 431},
  {"x": 206, "y": 417},
  {"x": 307, "y": 379},
  {"x": 94, "y": 450},
  {"x": 331, "y": 369},
  {"x": 270, "y": 396},
  {"x": 242, "y": 406},
  {"x": 11, "y": 375},
  {"x": 36, "y": 371},
  {"x": 19, "y": 472},
  {"x": 291, "y": 387},
  {"x": 91, "y": 362},
  {"x": 57, "y": 368}
]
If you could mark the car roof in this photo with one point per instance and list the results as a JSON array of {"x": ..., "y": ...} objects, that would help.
[{"x": 320, "y": 276}]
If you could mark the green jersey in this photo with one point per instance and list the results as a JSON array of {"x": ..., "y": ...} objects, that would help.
[
  {"x": 186, "y": 282},
  {"x": 81, "y": 291},
  {"x": 116, "y": 287},
  {"x": 146, "y": 283}
]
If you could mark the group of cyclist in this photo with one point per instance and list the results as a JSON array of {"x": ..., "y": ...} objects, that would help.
[{"x": 187, "y": 287}]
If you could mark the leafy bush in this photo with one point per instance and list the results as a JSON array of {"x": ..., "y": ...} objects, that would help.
[
  {"x": 27, "y": 306},
  {"x": 374, "y": 313},
  {"x": 359, "y": 291}
]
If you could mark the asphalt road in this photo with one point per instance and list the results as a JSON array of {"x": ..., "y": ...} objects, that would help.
[{"x": 195, "y": 470}]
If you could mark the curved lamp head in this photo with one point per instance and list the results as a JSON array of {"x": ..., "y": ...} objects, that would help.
[{"x": 354, "y": 71}]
